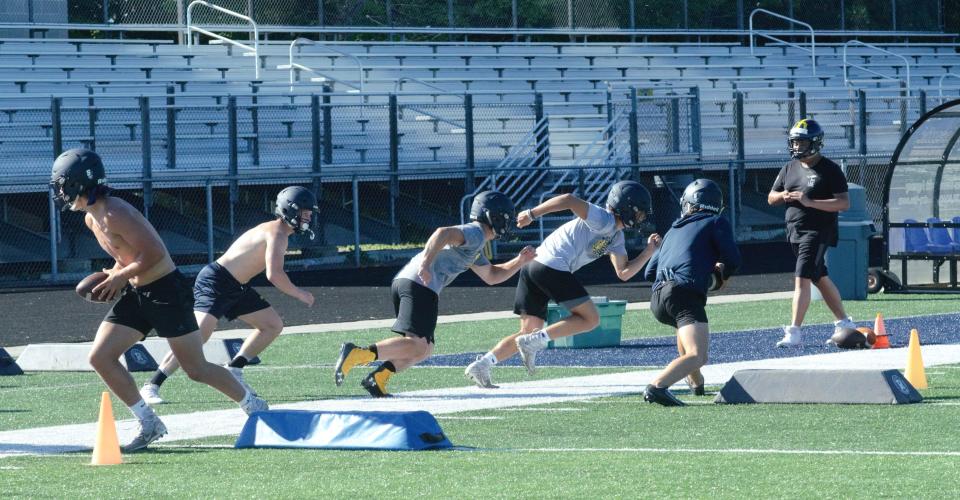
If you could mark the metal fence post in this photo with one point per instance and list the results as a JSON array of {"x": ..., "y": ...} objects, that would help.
[
  {"x": 209, "y": 199},
  {"x": 893, "y": 15},
  {"x": 862, "y": 120},
  {"x": 634, "y": 137},
  {"x": 468, "y": 138},
  {"x": 315, "y": 132},
  {"x": 255, "y": 119},
  {"x": 56, "y": 125},
  {"x": 738, "y": 124},
  {"x": 570, "y": 14},
  {"x": 513, "y": 17},
  {"x": 233, "y": 166},
  {"x": 732, "y": 195},
  {"x": 356, "y": 222},
  {"x": 147, "y": 156},
  {"x": 450, "y": 13},
  {"x": 327, "y": 126},
  {"x": 633, "y": 14},
  {"x": 675, "y": 122},
  {"x": 791, "y": 106},
  {"x": 171, "y": 128},
  {"x": 803, "y": 105},
  {"x": 904, "y": 101},
  {"x": 181, "y": 20},
  {"x": 741, "y": 173},
  {"x": 91, "y": 119},
  {"x": 54, "y": 252},
  {"x": 394, "y": 157},
  {"x": 923, "y": 102},
  {"x": 696, "y": 138}
]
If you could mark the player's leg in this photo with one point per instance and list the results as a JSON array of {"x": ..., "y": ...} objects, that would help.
[
  {"x": 831, "y": 296},
  {"x": 695, "y": 380},
  {"x": 111, "y": 342},
  {"x": 398, "y": 353},
  {"x": 695, "y": 338},
  {"x": 189, "y": 350},
  {"x": 805, "y": 271},
  {"x": 253, "y": 310},
  {"x": 169, "y": 365}
]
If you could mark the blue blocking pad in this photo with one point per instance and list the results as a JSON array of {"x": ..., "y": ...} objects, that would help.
[{"x": 346, "y": 430}]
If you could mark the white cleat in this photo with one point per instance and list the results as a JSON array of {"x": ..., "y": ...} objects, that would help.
[
  {"x": 151, "y": 394},
  {"x": 791, "y": 337},
  {"x": 844, "y": 324},
  {"x": 256, "y": 404},
  {"x": 151, "y": 430},
  {"x": 529, "y": 345},
  {"x": 479, "y": 373}
]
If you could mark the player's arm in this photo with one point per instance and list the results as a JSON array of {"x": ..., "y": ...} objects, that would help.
[
  {"x": 726, "y": 246},
  {"x": 440, "y": 238},
  {"x": 778, "y": 193},
  {"x": 560, "y": 203},
  {"x": 276, "y": 250},
  {"x": 493, "y": 274},
  {"x": 839, "y": 203},
  {"x": 627, "y": 269},
  {"x": 150, "y": 251}
]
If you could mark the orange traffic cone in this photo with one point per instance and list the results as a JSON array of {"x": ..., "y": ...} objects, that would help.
[
  {"x": 915, "y": 372},
  {"x": 106, "y": 449},
  {"x": 883, "y": 341}
]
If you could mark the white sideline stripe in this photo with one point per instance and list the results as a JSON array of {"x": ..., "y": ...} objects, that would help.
[
  {"x": 243, "y": 333},
  {"x": 197, "y": 425},
  {"x": 755, "y": 451}
]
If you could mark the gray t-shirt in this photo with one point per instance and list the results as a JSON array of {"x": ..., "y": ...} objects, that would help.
[
  {"x": 451, "y": 261},
  {"x": 582, "y": 241}
]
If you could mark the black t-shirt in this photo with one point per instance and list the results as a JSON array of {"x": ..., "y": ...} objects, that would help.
[{"x": 819, "y": 182}]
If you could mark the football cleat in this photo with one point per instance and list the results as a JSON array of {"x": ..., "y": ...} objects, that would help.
[
  {"x": 350, "y": 356},
  {"x": 255, "y": 404},
  {"x": 791, "y": 337},
  {"x": 661, "y": 396},
  {"x": 376, "y": 382},
  {"x": 151, "y": 429},
  {"x": 529, "y": 345},
  {"x": 479, "y": 373}
]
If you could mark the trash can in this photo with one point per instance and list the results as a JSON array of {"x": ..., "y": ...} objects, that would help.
[
  {"x": 847, "y": 262},
  {"x": 606, "y": 334}
]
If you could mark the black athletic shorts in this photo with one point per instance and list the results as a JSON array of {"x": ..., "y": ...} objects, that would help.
[
  {"x": 217, "y": 293},
  {"x": 811, "y": 254},
  {"x": 416, "y": 308},
  {"x": 539, "y": 284},
  {"x": 165, "y": 305},
  {"x": 677, "y": 306}
]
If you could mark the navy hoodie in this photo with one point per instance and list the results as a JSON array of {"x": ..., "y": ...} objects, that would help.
[{"x": 689, "y": 250}]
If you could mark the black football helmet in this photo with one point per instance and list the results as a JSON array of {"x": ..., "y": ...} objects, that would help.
[
  {"x": 629, "y": 201},
  {"x": 290, "y": 202},
  {"x": 76, "y": 172},
  {"x": 702, "y": 194},
  {"x": 809, "y": 130},
  {"x": 494, "y": 209}
]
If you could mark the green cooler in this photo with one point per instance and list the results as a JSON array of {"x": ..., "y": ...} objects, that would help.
[{"x": 606, "y": 334}]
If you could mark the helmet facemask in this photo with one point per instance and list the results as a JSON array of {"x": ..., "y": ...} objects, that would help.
[
  {"x": 801, "y": 148},
  {"x": 499, "y": 222}
]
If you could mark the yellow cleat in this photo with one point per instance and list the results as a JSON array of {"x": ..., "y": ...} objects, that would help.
[
  {"x": 376, "y": 382},
  {"x": 350, "y": 356}
]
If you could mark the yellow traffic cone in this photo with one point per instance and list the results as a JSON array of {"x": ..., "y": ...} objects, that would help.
[
  {"x": 915, "y": 372},
  {"x": 106, "y": 449}
]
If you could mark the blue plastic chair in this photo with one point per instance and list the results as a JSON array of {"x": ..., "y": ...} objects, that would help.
[{"x": 939, "y": 242}]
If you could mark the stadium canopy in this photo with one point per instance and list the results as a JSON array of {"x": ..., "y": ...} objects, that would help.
[{"x": 922, "y": 201}]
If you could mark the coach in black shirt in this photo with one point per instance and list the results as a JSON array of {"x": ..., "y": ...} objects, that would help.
[{"x": 814, "y": 190}]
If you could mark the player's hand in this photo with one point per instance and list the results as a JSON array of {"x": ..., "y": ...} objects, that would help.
[
  {"x": 306, "y": 297},
  {"x": 524, "y": 219},
  {"x": 425, "y": 275},
  {"x": 109, "y": 288},
  {"x": 527, "y": 254},
  {"x": 654, "y": 240}
]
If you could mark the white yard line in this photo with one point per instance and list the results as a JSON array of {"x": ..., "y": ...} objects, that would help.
[
  {"x": 755, "y": 451},
  {"x": 200, "y": 425}
]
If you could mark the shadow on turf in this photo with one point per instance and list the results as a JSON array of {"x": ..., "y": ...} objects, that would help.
[{"x": 14, "y": 411}]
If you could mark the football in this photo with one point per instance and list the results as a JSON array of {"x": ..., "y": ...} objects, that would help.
[
  {"x": 869, "y": 333},
  {"x": 848, "y": 338},
  {"x": 85, "y": 287}
]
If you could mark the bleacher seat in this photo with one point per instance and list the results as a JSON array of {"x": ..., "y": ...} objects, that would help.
[{"x": 917, "y": 241}]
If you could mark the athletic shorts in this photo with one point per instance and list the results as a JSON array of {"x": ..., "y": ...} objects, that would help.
[
  {"x": 811, "y": 254},
  {"x": 217, "y": 293},
  {"x": 416, "y": 307},
  {"x": 539, "y": 284},
  {"x": 165, "y": 305},
  {"x": 677, "y": 306}
]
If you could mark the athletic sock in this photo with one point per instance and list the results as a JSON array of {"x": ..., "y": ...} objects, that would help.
[
  {"x": 247, "y": 396},
  {"x": 489, "y": 358},
  {"x": 389, "y": 366},
  {"x": 142, "y": 411},
  {"x": 239, "y": 362},
  {"x": 373, "y": 349},
  {"x": 158, "y": 378}
]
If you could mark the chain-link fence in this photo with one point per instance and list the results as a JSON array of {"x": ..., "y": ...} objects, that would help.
[{"x": 542, "y": 14}]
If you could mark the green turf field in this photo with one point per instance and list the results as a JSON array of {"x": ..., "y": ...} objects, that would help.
[{"x": 606, "y": 447}]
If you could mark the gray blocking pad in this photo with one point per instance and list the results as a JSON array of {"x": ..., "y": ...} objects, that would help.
[
  {"x": 73, "y": 358},
  {"x": 818, "y": 386}
]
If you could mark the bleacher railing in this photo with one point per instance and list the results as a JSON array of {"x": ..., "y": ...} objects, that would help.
[
  {"x": 904, "y": 82},
  {"x": 254, "y": 49},
  {"x": 766, "y": 34}
]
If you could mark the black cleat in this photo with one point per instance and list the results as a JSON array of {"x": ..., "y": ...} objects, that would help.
[
  {"x": 376, "y": 383},
  {"x": 699, "y": 391},
  {"x": 661, "y": 395}
]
